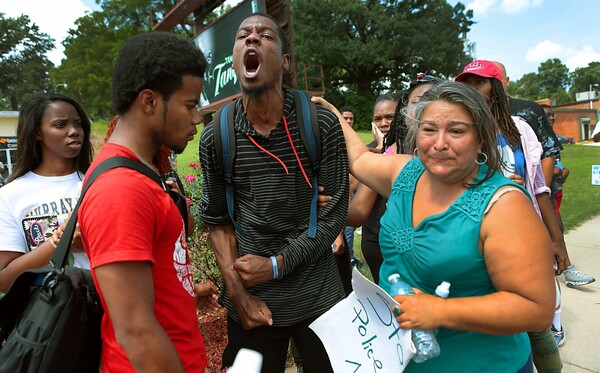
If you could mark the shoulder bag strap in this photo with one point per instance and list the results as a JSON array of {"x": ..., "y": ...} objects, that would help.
[{"x": 59, "y": 258}]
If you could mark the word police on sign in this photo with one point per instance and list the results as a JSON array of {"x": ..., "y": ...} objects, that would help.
[{"x": 361, "y": 334}]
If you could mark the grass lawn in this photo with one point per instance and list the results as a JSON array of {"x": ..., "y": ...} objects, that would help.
[{"x": 581, "y": 199}]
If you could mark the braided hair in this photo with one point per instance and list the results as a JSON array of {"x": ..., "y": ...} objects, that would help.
[
  {"x": 398, "y": 128},
  {"x": 501, "y": 114}
]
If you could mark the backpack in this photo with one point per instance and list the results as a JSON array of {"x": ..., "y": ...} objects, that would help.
[
  {"x": 225, "y": 149},
  {"x": 51, "y": 317}
]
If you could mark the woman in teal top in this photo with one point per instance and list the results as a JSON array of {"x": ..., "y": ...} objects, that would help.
[{"x": 451, "y": 217}]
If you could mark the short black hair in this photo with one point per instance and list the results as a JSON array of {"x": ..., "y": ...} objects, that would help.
[
  {"x": 346, "y": 108},
  {"x": 154, "y": 60},
  {"x": 285, "y": 43}
]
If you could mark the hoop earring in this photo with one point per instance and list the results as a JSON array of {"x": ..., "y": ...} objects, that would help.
[
  {"x": 484, "y": 162},
  {"x": 415, "y": 152}
]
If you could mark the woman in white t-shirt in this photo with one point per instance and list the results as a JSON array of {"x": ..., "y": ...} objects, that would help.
[{"x": 53, "y": 153}]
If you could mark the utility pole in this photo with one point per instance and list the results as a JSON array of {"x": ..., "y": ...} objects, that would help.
[{"x": 590, "y": 93}]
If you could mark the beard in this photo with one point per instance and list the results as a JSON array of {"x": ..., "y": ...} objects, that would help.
[
  {"x": 178, "y": 149},
  {"x": 254, "y": 92}
]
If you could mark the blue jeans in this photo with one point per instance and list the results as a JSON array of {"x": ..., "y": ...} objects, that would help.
[{"x": 349, "y": 234}]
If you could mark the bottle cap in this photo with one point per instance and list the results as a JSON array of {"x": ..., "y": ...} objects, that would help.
[
  {"x": 246, "y": 361},
  {"x": 394, "y": 277},
  {"x": 443, "y": 289}
]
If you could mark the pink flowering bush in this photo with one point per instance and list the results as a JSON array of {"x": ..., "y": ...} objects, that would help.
[{"x": 201, "y": 254}]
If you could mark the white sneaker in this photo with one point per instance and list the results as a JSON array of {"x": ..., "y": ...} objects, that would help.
[
  {"x": 574, "y": 277},
  {"x": 559, "y": 335}
]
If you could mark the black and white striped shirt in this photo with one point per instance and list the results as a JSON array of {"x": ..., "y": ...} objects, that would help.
[{"x": 274, "y": 207}]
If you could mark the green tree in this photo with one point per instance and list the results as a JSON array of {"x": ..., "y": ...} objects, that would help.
[
  {"x": 370, "y": 46},
  {"x": 24, "y": 67},
  {"x": 554, "y": 79},
  {"x": 92, "y": 46},
  {"x": 551, "y": 81},
  {"x": 91, "y": 50},
  {"x": 527, "y": 88},
  {"x": 583, "y": 77}
]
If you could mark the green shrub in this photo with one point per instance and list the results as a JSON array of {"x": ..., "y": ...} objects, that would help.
[{"x": 202, "y": 258}]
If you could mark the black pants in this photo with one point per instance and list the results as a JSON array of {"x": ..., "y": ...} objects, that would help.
[
  {"x": 272, "y": 343},
  {"x": 345, "y": 269}
]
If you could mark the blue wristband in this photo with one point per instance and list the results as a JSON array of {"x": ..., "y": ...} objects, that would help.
[{"x": 275, "y": 269}]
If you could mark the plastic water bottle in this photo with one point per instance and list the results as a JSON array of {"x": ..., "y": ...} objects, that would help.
[
  {"x": 424, "y": 340},
  {"x": 442, "y": 291}
]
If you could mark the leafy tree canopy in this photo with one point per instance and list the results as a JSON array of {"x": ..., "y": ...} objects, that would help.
[
  {"x": 554, "y": 81},
  {"x": 584, "y": 77},
  {"x": 370, "y": 46},
  {"x": 24, "y": 67},
  {"x": 92, "y": 46}
]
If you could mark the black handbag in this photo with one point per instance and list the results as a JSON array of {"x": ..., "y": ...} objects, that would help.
[{"x": 51, "y": 317}]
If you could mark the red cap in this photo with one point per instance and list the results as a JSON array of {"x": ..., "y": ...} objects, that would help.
[{"x": 484, "y": 68}]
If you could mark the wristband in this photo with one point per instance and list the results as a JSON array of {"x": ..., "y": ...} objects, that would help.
[{"x": 275, "y": 269}]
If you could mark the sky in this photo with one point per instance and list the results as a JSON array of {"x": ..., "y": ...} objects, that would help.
[
  {"x": 519, "y": 33},
  {"x": 524, "y": 33}
]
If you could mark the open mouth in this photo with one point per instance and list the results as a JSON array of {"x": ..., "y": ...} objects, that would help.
[
  {"x": 74, "y": 145},
  {"x": 251, "y": 64}
]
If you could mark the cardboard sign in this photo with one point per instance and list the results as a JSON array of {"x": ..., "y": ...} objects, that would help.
[
  {"x": 361, "y": 334},
  {"x": 596, "y": 174}
]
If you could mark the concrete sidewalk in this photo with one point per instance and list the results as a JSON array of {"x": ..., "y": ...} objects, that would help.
[{"x": 581, "y": 305}]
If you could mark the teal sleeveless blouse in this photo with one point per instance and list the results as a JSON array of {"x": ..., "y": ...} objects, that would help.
[{"x": 444, "y": 247}]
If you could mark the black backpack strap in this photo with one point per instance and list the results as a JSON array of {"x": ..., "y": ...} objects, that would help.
[
  {"x": 59, "y": 258},
  {"x": 225, "y": 150},
  {"x": 308, "y": 127}
]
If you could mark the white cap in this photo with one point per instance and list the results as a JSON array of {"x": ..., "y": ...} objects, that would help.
[
  {"x": 246, "y": 361},
  {"x": 394, "y": 277},
  {"x": 443, "y": 289}
]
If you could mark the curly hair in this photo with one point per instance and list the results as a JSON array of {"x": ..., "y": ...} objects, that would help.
[
  {"x": 29, "y": 151},
  {"x": 157, "y": 61},
  {"x": 470, "y": 99}
]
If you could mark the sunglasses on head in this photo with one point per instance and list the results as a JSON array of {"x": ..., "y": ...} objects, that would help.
[{"x": 424, "y": 78}]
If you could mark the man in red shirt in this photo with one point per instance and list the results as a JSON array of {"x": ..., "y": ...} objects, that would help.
[{"x": 132, "y": 230}]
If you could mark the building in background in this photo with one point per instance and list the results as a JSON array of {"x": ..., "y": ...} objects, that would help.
[
  {"x": 8, "y": 139},
  {"x": 576, "y": 120}
]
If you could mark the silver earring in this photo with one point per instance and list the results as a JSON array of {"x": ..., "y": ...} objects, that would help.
[
  {"x": 484, "y": 162},
  {"x": 415, "y": 152}
]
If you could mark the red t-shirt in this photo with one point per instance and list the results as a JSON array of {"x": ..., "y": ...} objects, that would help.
[{"x": 126, "y": 216}]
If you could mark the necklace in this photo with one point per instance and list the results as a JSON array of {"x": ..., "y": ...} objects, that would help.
[{"x": 289, "y": 136}]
